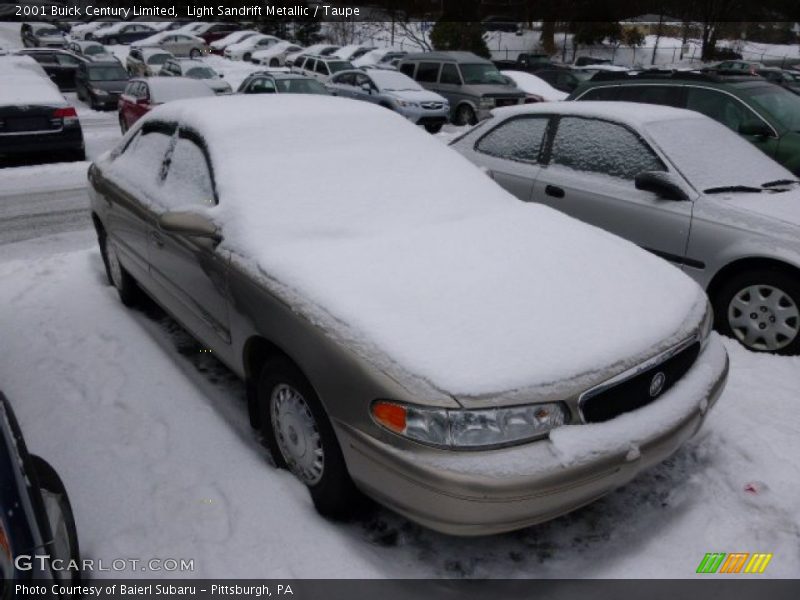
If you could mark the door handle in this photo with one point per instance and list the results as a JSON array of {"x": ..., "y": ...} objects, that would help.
[
  {"x": 156, "y": 238},
  {"x": 554, "y": 191}
]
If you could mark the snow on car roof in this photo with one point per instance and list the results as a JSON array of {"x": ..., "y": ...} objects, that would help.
[
  {"x": 532, "y": 84},
  {"x": 167, "y": 89},
  {"x": 416, "y": 260},
  {"x": 631, "y": 113},
  {"x": 22, "y": 87}
]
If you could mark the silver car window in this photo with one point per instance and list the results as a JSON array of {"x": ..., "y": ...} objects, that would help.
[
  {"x": 596, "y": 146},
  {"x": 517, "y": 139},
  {"x": 188, "y": 181}
]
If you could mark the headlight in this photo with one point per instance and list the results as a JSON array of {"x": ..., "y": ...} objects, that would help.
[
  {"x": 707, "y": 325},
  {"x": 487, "y": 102},
  {"x": 406, "y": 103},
  {"x": 470, "y": 429}
]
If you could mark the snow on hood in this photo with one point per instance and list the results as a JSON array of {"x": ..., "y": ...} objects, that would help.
[
  {"x": 783, "y": 206},
  {"x": 413, "y": 258},
  {"x": 531, "y": 84}
]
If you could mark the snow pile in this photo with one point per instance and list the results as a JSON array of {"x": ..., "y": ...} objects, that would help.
[
  {"x": 410, "y": 264},
  {"x": 531, "y": 84},
  {"x": 22, "y": 87}
]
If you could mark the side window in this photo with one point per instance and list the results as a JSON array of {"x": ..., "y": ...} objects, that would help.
[
  {"x": 517, "y": 139},
  {"x": 345, "y": 79},
  {"x": 310, "y": 64},
  {"x": 450, "y": 74},
  {"x": 407, "y": 69},
  {"x": 262, "y": 85},
  {"x": 720, "y": 107},
  {"x": 428, "y": 72},
  {"x": 596, "y": 146},
  {"x": 361, "y": 79},
  {"x": 600, "y": 93},
  {"x": 322, "y": 68},
  {"x": 667, "y": 95},
  {"x": 188, "y": 180},
  {"x": 142, "y": 160}
]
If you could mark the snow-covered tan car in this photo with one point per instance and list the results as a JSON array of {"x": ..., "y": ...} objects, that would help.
[
  {"x": 674, "y": 182},
  {"x": 476, "y": 363},
  {"x": 396, "y": 92},
  {"x": 275, "y": 56},
  {"x": 177, "y": 44},
  {"x": 244, "y": 49}
]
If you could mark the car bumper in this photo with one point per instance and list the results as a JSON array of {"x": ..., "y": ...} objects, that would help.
[
  {"x": 479, "y": 493},
  {"x": 421, "y": 116},
  {"x": 109, "y": 102},
  {"x": 32, "y": 143}
]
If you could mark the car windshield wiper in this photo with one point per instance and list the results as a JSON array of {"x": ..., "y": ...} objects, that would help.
[
  {"x": 733, "y": 188},
  {"x": 779, "y": 182}
]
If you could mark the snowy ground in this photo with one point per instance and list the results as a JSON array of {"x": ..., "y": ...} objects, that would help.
[{"x": 151, "y": 438}]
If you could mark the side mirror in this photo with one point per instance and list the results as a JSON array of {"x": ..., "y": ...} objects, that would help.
[
  {"x": 660, "y": 183},
  {"x": 189, "y": 223},
  {"x": 366, "y": 87},
  {"x": 755, "y": 128}
]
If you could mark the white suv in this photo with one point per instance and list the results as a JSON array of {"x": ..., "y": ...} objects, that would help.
[{"x": 320, "y": 67}]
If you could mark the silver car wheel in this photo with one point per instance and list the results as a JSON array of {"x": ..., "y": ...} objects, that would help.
[
  {"x": 297, "y": 434},
  {"x": 113, "y": 265},
  {"x": 764, "y": 317},
  {"x": 58, "y": 527}
]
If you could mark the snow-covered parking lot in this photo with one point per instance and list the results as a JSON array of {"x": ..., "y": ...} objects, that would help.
[{"x": 151, "y": 436}]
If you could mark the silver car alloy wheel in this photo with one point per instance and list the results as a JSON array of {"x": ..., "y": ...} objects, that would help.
[
  {"x": 764, "y": 317},
  {"x": 113, "y": 265},
  {"x": 58, "y": 527},
  {"x": 297, "y": 434}
]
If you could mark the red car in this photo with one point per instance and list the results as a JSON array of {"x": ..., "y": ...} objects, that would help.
[
  {"x": 142, "y": 95},
  {"x": 212, "y": 32}
]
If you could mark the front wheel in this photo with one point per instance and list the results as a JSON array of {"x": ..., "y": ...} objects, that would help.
[
  {"x": 274, "y": 63},
  {"x": 465, "y": 115},
  {"x": 126, "y": 285},
  {"x": 195, "y": 53},
  {"x": 247, "y": 56},
  {"x": 300, "y": 437},
  {"x": 433, "y": 128},
  {"x": 761, "y": 309}
]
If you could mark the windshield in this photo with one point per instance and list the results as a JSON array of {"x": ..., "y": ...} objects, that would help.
[
  {"x": 391, "y": 81},
  {"x": 44, "y": 31},
  {"x": 201, "y": 73},
  {"x": 107, "y": 74},
  {"x": 712, "y": 157},
  {"x": 340, "y": 65},
  {"x": 93, "y": 50},
  {"x": 300, "y": 86},
  {"x": 782, "y": 105},
  {"x": 157, "y": 59},
  {"x": 482, "y": 74}
]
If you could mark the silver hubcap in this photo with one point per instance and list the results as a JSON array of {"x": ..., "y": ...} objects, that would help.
[
  {"x": 764, "y": 317},
  {"x": 297, "y": 434},
  {"x": 113, "y": 265},
  {"x": 58, "y": 527}
]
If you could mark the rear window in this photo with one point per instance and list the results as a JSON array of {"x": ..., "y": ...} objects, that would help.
[{"x": 428, "y": 72}]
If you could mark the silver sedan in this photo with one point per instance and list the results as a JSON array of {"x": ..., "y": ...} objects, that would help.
[{"x": 674, "y": 182}]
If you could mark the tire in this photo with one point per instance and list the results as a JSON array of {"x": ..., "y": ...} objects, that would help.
[
  {"x": 247, "y": 56},
  {"x": 122, "y": 125},
  {"x": 76, "y": 155},
  {"x": 433, "y": 128},
  {"x": 127, "y": 288},
  {"x": 274, "y": 63},
  {"x": 761, "y": 309},
  {"x": 113, "y": 41},
  {"x": 195, "y": 53},
  {"x": 332, "y": 490},
  {"x": 465, "y": 115},
  {"x": 61, "y": 518}
]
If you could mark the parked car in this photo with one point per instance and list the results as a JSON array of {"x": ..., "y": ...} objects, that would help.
[
  {"x": 177, "y": 44},
  {"x": 42, "y": 35},
  {"x": 219, "y": 46},
  {"x": 565, "y": 80},
  {"x": 396, "y": 92},
  {"x": 471, "y": 84},
  {"x": 86, "y": 31},
  {"x": 585, "y": 61},
  {"x": 535, "y": 88},
  {"x": 196, "y": 69},
  {"x": 146, "y": 62},
  {"x": 91, "y": 51},
  {"x": 141, "y": 95},
  {"x": 244, "y": 49},
  {"x": 36, "y": 119},
  {"x": 100, "y": 84},
  {"x": 750, "y": 67},
  {"x": 275, "y": 55},
  {"x": 786, "y": 78},
  {"x": 352, "y": 52},
  {"x": 212, "y": 32},
  {"x": 763, "y": 113},
  {"x": 270, "y": 82},
  {"x": 122, "y": 33},
  {"x": 320, "y": 67},
  {"x": 35, "y": 516},
  {"x": 192, "y": 27},
  {"x": 674, "y": 182},
  {"x": 360, "y": 373},
  {"x": 60, "y": 65},
  {"x": 380, "y": 57},
  {"x": 314, "y": 49}
]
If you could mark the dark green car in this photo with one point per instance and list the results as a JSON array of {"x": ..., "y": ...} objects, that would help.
[{"x": 764, "y": 113}]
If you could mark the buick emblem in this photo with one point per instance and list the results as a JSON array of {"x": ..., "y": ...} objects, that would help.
[{"x": 657, "y": 384}]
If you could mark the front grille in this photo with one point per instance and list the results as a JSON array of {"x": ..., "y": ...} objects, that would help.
[
  {"x": 505, "y": 101},
  {"x": 432, "y": 105},
  {"x": 606, "y": 402}
]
